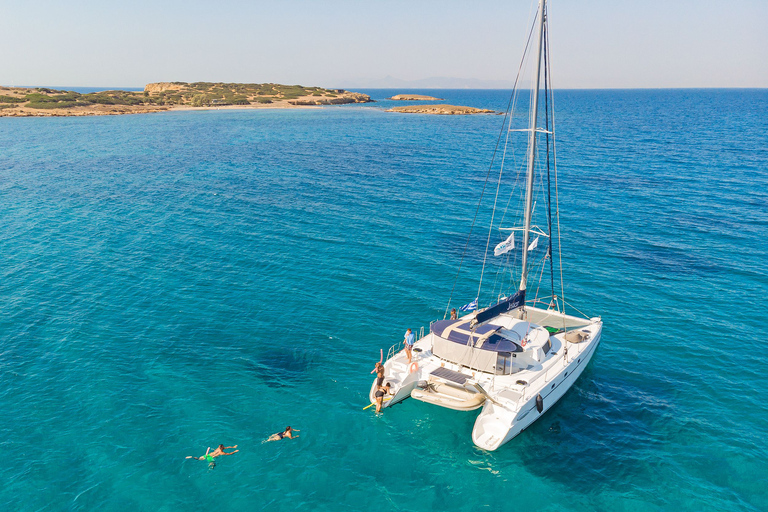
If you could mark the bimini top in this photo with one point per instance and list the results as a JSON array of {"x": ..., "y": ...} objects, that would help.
[{"x": 484, "y": 337}]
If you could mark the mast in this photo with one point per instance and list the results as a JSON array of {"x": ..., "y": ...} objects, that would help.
[{"x": 532, "y": 150}]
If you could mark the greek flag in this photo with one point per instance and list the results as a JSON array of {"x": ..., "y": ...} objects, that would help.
[
  {"x": 469, "y": 307},
  {"x": 505, "y": 246}
]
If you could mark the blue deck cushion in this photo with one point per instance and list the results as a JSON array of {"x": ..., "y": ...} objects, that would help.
[{"x": 458, "y": 331}]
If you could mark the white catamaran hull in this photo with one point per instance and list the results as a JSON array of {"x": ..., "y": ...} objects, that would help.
[{"x": 497, "y": 425}]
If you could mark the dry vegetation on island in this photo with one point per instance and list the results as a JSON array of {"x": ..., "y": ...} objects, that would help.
[{"x": 157, "y": 97}]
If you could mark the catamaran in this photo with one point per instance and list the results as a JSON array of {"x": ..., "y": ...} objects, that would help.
[{"x": 515, "y": 358}]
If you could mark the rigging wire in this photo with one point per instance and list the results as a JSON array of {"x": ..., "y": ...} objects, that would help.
[
  {"x": 493, "y": 214},
  {"x": 549, "y": 181},
  {"x": 490, "y": 167},
  {"x": 554, "y": 166}
]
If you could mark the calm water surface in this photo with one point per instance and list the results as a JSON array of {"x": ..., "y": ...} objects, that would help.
[{"x": 174, "y": 281}]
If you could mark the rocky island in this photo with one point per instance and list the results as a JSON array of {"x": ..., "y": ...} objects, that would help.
[
  {"x": 440, "y": 110},
  {"x": 163, "y": 96},
  {"x": 414, "y": 97}
]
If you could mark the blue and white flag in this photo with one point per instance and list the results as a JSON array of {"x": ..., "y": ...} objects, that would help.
[
  {"x": 505, "y": 246},
  {"x": 469, "y": 307}
]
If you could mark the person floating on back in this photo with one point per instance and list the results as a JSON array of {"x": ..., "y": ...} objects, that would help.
[
  {"x": 211, "y": 455},
  {"x": 288, "y": 432}
]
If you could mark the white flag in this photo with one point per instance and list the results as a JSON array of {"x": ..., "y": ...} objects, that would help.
[
  {"x": 533, "y": 245},
  {"x": 505, "y": 246}
]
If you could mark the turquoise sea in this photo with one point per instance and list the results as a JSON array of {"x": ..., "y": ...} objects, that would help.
[{"x": 174, "y": 281}]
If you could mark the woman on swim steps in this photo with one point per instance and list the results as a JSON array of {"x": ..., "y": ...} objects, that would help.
[{"x": 380, "y": 392}]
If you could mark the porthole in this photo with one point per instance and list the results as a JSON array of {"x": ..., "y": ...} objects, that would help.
[
  {"x": 553, "y": 386},
  {"x": 565, "y": 374}
]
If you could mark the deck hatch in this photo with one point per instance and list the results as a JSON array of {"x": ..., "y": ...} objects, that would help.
[{"x": 450, "y": 375}]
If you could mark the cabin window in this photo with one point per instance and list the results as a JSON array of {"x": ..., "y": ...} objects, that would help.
[
  {"x": 503, "y": 363},
  {"x": 547, "y": 347}
]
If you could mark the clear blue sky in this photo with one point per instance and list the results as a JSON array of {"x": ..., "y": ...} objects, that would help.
[{"x": 595, "y": 43}]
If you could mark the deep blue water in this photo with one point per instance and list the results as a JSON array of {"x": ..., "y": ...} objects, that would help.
[{"x": 174, "y": 281}]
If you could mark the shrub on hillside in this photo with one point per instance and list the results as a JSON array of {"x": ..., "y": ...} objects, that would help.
[
  {"x": 11, "y": 99},
  {"x": 58, "y": 104}
]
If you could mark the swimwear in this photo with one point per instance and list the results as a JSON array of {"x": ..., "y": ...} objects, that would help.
[
  {"x": 380, "y": 394},
  {"x": 209, "y": 458},
  {"x": 280, "y": 435},
  {"x": 379, "y": 380}
]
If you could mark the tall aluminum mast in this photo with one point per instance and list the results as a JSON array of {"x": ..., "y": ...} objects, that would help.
[{"x": 532, "y": 150}]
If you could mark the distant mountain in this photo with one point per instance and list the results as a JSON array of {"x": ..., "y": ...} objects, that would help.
[{"x": 438, "y": 82}]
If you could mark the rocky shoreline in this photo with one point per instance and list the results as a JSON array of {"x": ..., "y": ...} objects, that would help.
[
  {"x": 440, "y": 110},
  {"x": 168, "y": 96},
  {"x": 414, "y": 97}
]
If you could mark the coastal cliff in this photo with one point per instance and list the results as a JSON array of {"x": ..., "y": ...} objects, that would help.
[{"x": 162, "y": 96}]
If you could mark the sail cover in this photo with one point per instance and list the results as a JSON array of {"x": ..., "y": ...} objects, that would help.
[{"x": 505, "y": 305}]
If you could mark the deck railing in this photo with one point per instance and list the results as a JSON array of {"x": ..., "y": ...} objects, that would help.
[{"x": 397, "y": 347}]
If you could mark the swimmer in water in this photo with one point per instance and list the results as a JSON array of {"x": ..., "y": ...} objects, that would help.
[
  {"x": 211, "y": 455},
  {"x": 288, "y": 432}
]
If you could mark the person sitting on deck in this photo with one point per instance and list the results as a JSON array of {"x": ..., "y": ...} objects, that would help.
[
  {"x": 409, "y": 340},
  {"x": 454, "y": 315}
]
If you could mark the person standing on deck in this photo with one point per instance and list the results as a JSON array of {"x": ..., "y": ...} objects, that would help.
[{"x": 409, "y": 340}]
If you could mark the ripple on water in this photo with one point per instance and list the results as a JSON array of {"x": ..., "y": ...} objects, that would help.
[{"x": 173, "y": 282}]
